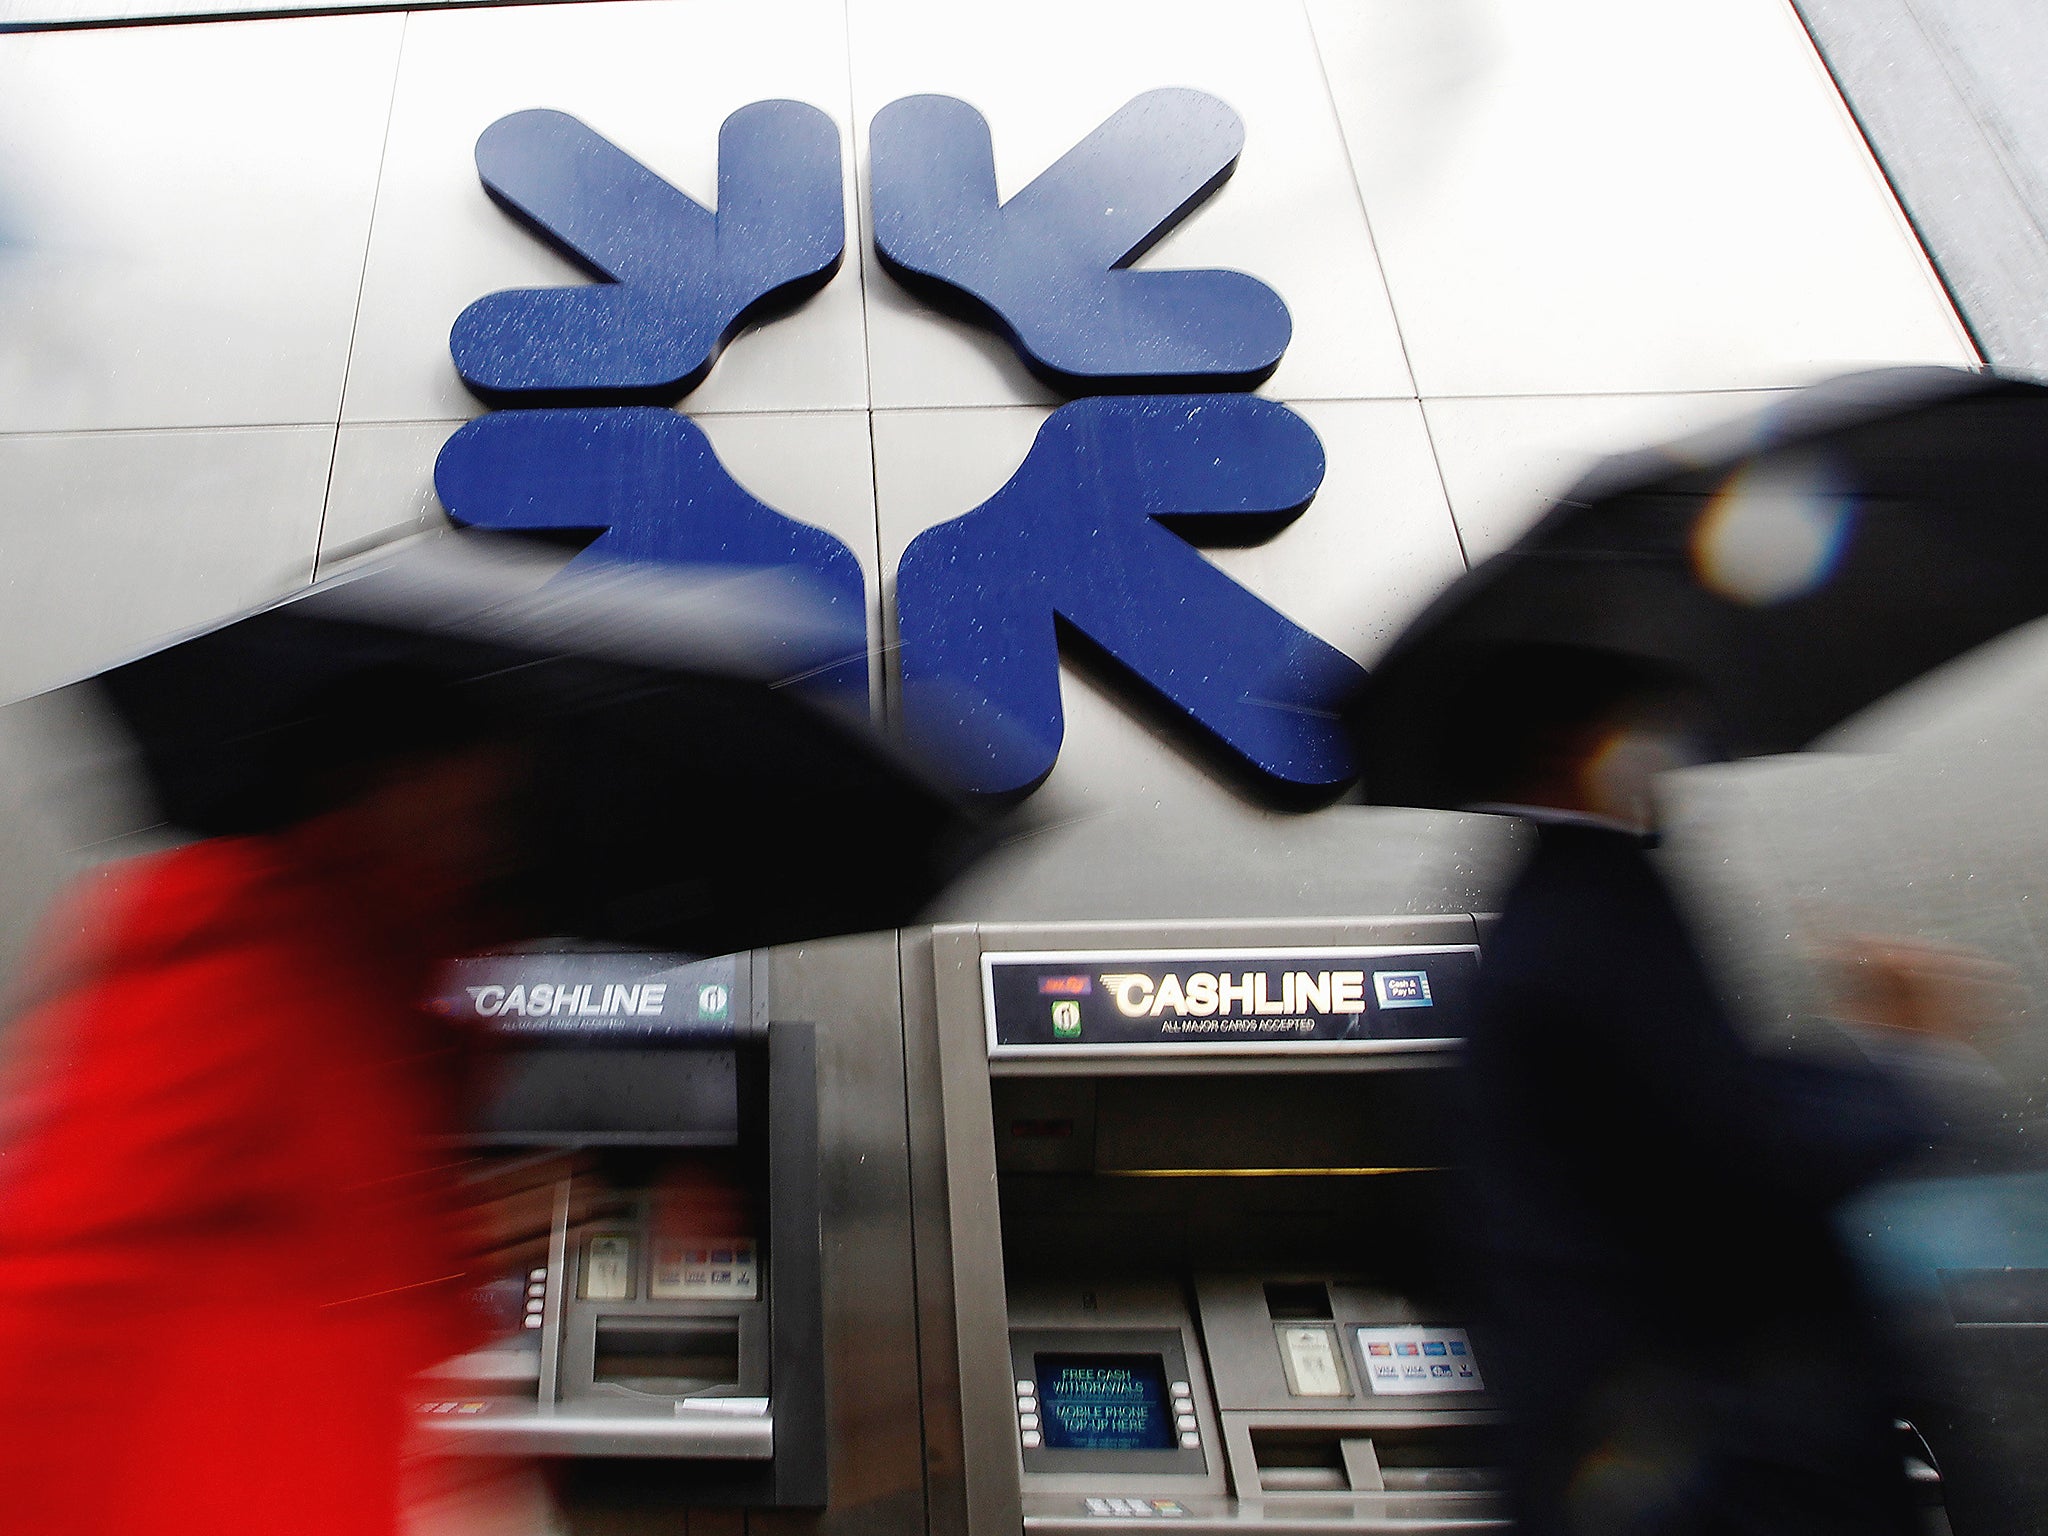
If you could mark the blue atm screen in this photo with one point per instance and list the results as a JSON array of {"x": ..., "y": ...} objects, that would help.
[{"x": 1104, "y": 1403}]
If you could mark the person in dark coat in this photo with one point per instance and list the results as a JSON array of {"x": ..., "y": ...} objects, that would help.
[{"x": 1666, "y": 1308}]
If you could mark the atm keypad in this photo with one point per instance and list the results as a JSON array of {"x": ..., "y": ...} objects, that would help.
[
  {"x": 1164, "y": 1509},
  {"x": 1184, "y": 1416},
  {"x": 536, "y": 1297}
]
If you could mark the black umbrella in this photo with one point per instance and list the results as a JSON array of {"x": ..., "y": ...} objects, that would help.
[
  {"x": 1798, "y": 567},
  {"x": 692, "y": 790}
]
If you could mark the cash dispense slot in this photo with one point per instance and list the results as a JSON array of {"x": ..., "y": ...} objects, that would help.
[{"x": 654, "y": 1301}]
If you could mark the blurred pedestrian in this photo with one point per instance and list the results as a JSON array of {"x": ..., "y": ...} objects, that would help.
[
  {"x": 227, "y": 1235},
  {"x": 1666, "y": 1306}
]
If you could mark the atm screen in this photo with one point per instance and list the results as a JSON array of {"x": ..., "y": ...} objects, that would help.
[{"x": 1104, "y": 1402}]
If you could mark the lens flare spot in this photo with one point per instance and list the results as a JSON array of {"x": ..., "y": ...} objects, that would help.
[{"x": 1775, "y": 530}]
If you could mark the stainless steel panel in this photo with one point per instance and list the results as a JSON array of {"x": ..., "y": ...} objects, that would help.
[
  {"x": 1365, "y": 1503},
  {"x": 1946, "y": 94},
  {"x": 719, "y": 1436},
  {"x": 978, "y": 1389},
  {"x": 1563, "y": 200},
  {"x": 1289, "y": 216},
  {"x": 1381, "y": 1514},
  {"x": 931, "y": 1229},
  {"x": 116, "y": 540},
  {"x": 440, "y": 242},
  {"x": 981, "y": 1339},
  {"x": 183, "y": 212},
  {"x": 849, "y": 988}
]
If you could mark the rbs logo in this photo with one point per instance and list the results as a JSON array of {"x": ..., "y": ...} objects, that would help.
[{"x": 1096, "y": 531}]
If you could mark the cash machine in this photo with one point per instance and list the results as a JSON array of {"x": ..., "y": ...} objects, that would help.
[
  {"x": 1197, "y": 1206},
  {"x": 645, "y": 1161}
]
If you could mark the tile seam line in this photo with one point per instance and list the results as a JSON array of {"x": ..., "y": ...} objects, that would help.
[
  {"x": 872, "y": 410},
  {"x": 681, "y": 408},
  {"x": 1667, "y": 391},
  {"x": 1336, "y": 118},
  {"x": 1655, "y": 392},
  {"x": 879, "y": 697},
  {"x": 323, "y": 424},
  {"x": 274, "y": 13},
  {"x": 355, "y": 322},
  {"x": 1844, "y": 108}
]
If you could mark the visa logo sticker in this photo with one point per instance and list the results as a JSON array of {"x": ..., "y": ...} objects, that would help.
[
  {"x": 1402, "y": 989},
  {"x": 1426, "y": 1360}
]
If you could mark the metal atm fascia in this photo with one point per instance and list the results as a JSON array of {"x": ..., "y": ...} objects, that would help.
[
  {"x": 987, "y": 1452},
  {"x": 748, "y": 1083}
]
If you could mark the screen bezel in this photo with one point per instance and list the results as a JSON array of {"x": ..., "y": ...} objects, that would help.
[{"x": 1026, "y": 1344}]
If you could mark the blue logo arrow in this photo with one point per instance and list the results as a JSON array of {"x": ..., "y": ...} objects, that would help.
[
  {"x": 648, "y": 478},
  {"x": 1076, "y": 536},
  {"x": 676, "y": 281},
  {"x": 1048, "y": 267}
]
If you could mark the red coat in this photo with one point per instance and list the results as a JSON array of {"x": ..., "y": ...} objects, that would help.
[{"x": 225, "y": 1234}]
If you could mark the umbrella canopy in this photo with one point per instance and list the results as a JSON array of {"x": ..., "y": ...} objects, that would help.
[
  {"x": 689, "y": 794},
  {"x": 1797, "y": 566}
]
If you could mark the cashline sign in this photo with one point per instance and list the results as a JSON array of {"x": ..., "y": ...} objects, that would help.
[
  {"x": 1101, "y": 1002},
  {"x": 586, "y": 998}
]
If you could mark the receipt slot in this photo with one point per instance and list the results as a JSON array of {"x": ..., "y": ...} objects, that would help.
[
  {"x": 1198, "y": 1217},
  {"x": 647, "y": 1164}
]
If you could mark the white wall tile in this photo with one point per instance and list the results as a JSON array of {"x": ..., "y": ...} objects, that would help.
[
  {"x": 1045, "y": 75},
  {"x": 817, "y": 467},
  {"x": 932, "y": 465},
  {"x": 1376, "y": 545},
  {"x": 183, "y": 213},
  {"x": 1600, "y": 195},
  {"x": 657, "y": 77},
  {"x": 115, "y": 540},
  {"x": 382, "y": 487},
  {"x": 1504, "y": 460}
]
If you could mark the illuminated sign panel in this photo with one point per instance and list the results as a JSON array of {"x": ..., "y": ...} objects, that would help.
[
  {"x": 1363, "y": 998},
  {"x": 1104, "y": 1403},
  {"x": 599, "y": 997}
]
